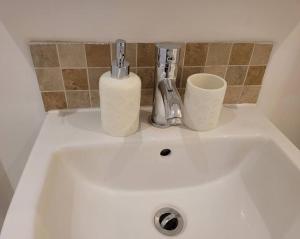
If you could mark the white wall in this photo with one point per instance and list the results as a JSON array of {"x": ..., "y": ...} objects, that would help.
[
  {"x": 280, "y": 96},
  {"x": 21, "y": 114},
  {"x": 150, "y": 20}
]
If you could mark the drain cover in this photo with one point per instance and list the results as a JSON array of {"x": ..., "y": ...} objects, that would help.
[{"x": 168, "y": 221}]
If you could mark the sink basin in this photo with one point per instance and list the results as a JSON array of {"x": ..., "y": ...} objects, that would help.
[{"x": 240, "y": 180}]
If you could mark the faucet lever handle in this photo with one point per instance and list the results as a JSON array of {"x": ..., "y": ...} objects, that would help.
[{"x": 167, "y": 53}]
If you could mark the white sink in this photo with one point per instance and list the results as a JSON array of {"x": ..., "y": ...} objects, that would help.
[{"x": 241, "y": 180}]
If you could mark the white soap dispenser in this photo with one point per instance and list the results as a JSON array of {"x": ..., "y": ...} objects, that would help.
[{"x": 120, "y": 95}]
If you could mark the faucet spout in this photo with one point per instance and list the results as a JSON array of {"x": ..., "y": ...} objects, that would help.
[
  {"x": 167, "y": 104},
  {"x": 172, "y": 102}
]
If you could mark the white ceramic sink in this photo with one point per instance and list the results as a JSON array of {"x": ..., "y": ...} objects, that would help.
[{"x": 241, "y": 180}]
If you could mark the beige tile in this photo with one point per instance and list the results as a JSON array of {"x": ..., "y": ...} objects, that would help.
[
  {"x": 261, "y": 54},
  {"x": 95, "y": 98},
  {"x": 236, "y": 75},
  {"x": 130, "y": 53},
  {"x": 75, "y": 79},
  {"x": 146, "y": 54},
  {"x": 215, "y": 70},
  {"x": 187, "y": 71},
  {"x": 78, "y": 99},
  {"x": 241, "y": 53},
  {"x": 54, "y": 100},
  {"x": 250, "y": 94},
  {"x": 71, "y": 55},
  {"x": 147, "y": 77},
  {"x": 218, "y": 53},
  {"x": 44, "y": 55},
  {"x": 255, "y": 75},
  {"x": 147, "y": 97},
  {"x": 49, "y": 79},
  {"x": 195, "y": 54},
  {"x": 94, "y": 75},
  {"x": 98, "y": 55},
  {"x": 232, "y": 94}
]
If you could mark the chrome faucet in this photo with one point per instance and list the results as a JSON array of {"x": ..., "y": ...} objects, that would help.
[{"x": 167, "y": 104}]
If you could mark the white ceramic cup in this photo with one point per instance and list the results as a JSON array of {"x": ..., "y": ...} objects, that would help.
[{"x": 203, "y": 101}]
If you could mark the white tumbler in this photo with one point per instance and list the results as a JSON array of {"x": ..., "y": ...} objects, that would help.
[{"x": 203, "y": 101}]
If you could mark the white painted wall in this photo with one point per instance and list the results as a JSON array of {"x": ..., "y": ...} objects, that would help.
[
  {"x": 280, "y": 96},
  {"x": 21, "y": 114},
  {"x": 150, "y": 20}
]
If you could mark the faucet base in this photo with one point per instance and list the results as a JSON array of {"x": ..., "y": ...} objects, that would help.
[{"x": 162, "y": 126}]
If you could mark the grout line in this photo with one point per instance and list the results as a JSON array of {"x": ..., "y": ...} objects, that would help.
[
  {"x": 223, "y": 65},
  {"x": 88, "y": 77},
  {"x": 149, "y": 67},
  {"x": 49, "y": 91},
  {"x": 62, "y": 77},
  {"x": 181, "y": 76},
  {"x": 111, "y": 52},
  {"x": 74, "y": 68},
  {"x": 136, "y": 55},
  {"x": 230, "y": 51},
  {"x": 106, "y": 67},
  {"x": 246, "y": 75},
  {"x": 228, "y": 63},
  {"x": 251, "y": 54},
  {"x": 208, "y": 47}
]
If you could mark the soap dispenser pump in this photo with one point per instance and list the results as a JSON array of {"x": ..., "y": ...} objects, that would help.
[
  {"x": 120, "y": 94},
  {"x": 119, "y": 66}
]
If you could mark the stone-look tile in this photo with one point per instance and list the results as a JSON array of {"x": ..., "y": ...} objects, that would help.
[
  {"x": 75, "y": 79},
  {"x": 250, "y": 94},
  {"x": 147, "y": 77},
  {"x": 95, "y": 98},
  {"x": 94, "y": 75},
  {"x": 232, "y": 94},
  {"x": 147, "y": 97},
  {"x": 130, "y": 53},
  {"x": 71, "y": 55},
  {"x": 215, "y": 70},
  {"x": 255, "y": 75},
  {"x": 49, "y": 79},
  {"x": 218, "y": 53},
  {"x": 78, "y": 99},
  {"x": 236, "y": 75},
  {"x": 241, "y": 53},
  {"x": 98, "y": 55},
  {"x": 54, "y": 100},
  {"x": 195, "y": 54},
  {"x": 44, "y": 55},
  {"x": 261, "y": 54},
  {"x": 187, "y": 71},
  {"x": 146, "y": 54}
]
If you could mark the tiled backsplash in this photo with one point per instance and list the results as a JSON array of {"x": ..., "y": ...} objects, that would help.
[{"x": 68, "y": 73}]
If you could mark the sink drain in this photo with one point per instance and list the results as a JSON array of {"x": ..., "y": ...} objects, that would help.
[
  {"x": 165, "y": 152},
  {"x": 168, "y": 221}
]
